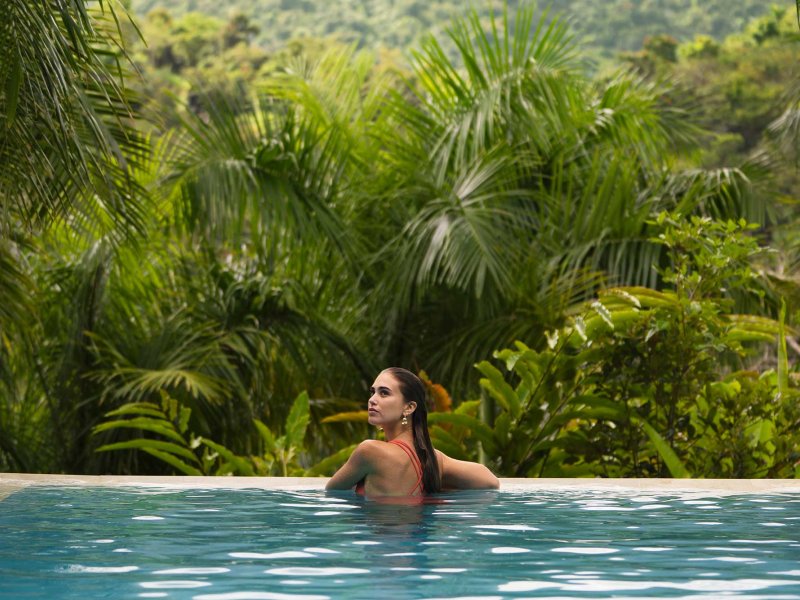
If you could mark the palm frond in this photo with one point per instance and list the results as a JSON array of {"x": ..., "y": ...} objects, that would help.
[
  {"x": 260, "y": 173},
  {"x": 15, "y": 284},
  {"x": 508, "y": 86},
  {"x": 633, "y": 113},
  {"x": 65, "y": 116}
]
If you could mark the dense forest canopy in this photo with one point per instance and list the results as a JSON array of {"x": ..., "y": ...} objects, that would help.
[
  {"x": 213, "y": 241},
  {"x": 609, "y": 26}
]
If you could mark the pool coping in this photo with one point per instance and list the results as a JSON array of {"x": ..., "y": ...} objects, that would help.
[{"x": 12, "y": 482}]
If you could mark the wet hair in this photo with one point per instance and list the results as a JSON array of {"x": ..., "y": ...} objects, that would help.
[{"x": 413, "y": 390}]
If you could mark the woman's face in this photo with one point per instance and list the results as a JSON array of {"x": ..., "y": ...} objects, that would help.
[{"x": 386, "y": 404}]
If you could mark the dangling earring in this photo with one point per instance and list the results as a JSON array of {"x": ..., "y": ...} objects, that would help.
[{"x": 404, "y": 422}]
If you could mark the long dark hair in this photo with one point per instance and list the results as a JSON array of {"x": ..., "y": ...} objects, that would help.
[{"x": 413, "y": 390}]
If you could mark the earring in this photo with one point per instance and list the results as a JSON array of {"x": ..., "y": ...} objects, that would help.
[{"x": 404, "y": 422}]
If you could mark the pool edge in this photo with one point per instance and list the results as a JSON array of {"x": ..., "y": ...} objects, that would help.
[{"x": 11, "y": 482}]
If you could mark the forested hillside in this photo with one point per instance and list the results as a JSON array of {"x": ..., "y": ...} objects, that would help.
[
  {"x": 609, "y": 26},
  {"x": 210, "y": 246}
]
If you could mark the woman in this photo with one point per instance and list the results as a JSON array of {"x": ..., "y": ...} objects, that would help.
[{"x": 406, "y": 464}]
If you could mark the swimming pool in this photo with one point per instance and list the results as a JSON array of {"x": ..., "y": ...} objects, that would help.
[{"x": 301, "y": 544}]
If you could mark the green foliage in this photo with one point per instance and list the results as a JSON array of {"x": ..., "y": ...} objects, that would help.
[
  {"x": 282, "y": 452},
  {"x": 633, "y": 387},
  {"x": 168, "y": 420},
  {"x": 181, "y": 448},
  {"x": 703, "y": 46},
  {"x": 739, "y": 83},
  {"x": 68, "y": 143},
  {"x": 608, "y": 26},
  {"x": 316, "y": 211},
  {"x": 64, "y": 110}
]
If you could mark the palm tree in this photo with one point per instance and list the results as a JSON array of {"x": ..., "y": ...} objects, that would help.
[
  {"x": 259, "y": 300},
  {"x": 67, "y": 145},
  {"x": 327, "y": 224},
  {"x": 515, "y": 187},
  {"x": 66, "y": 114}
]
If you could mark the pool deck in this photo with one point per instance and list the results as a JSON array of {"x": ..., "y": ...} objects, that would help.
[{"x": 11, "y": 482}]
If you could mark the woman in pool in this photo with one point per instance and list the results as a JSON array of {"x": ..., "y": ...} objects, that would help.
[{"x": 406, "y": 464}]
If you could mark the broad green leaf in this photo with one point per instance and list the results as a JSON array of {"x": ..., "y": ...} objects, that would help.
[
  {"x": 445, "y": 437},
  {"x": 755, "y": 323},
  {"x": 502, "y": 426},
  {"x": 357, "y": 416},
  {"x": 270, "y": 443},
  {"x": 184, "y": 414},
  {"x": 558, "y": 421},
  {"x": 174, "y": 461},
  {"x": 240, "y": 464},
  {"x": 453, "y": 450},
  {"x": 603, "y": 312},
  {"x": 138, "y": 408},
  {"x": 667, "y": 454},
  {"x": 651, "y": 298},
  {"x": 599, "y": 403},
  {"x": 783, "y": 359},
  {"x": 761, "y": 431},
  {"x": 144, "y": 443},
  {"x": 622, "y": 294},
  {"x": 474, "y": 426},
  {"x": 510, "y": 357},
  {"x": 164, "y": 428},
  {"x": 225, "y": 468},
  {"x": 501, "y": 391},
  {"x": 297, "y": 421},
  {"x": 595, "y": 324},
  {"x": 470, "y": 407},
  {"x": 737, "y": 334}
]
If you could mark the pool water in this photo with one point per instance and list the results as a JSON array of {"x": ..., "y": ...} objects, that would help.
[{"x": 58, "y": 542}]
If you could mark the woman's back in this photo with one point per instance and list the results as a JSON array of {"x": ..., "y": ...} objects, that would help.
[{"x": 399, "y": 471}]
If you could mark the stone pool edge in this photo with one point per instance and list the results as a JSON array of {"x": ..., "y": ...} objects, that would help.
[{"x": 11, "y": 482}]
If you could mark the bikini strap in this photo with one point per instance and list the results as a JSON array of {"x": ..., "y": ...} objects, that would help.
[{"x": 415, "y": 462}]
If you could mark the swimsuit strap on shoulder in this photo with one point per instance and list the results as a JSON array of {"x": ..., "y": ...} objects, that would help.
[{"x": 415, "y": 462}]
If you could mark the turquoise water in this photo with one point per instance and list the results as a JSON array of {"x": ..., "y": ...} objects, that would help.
[{"x": 281, "y": 545}]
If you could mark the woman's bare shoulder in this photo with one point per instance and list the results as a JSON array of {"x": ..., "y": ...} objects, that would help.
[{"x": 370, "y": 450}]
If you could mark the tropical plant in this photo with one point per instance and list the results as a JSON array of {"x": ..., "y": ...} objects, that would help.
[
  {"x": 608, "y": 26},
  {"x": 180, "y": 448},
  {"x": 338, "y": 216},
  {"x": 510, "y": 197},
  {"x": 633, "y": 385},
  {"x": 66, "y": 135},
  {"x": 68, "y": 146}
]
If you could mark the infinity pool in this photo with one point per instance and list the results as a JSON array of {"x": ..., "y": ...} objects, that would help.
[{"x": 222, "y": 544}]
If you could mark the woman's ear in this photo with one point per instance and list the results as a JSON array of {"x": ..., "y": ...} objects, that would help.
[{"x": 412, "y": 406}]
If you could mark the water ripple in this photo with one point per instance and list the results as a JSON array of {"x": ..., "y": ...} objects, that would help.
[
  {"x": 259, "y": 596},
  {"x": 317, "y": 571},
  {"x": 584, "y": 550}
]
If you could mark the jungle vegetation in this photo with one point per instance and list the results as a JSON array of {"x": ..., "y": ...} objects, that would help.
[
  {"x": 605, "y": 28},
  {"x": 210, "y": 247}
]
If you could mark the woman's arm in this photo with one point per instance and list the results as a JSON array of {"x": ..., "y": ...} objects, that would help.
[
  {"x": 465, "y": 475},
  {"x": 358, "y": 466}
]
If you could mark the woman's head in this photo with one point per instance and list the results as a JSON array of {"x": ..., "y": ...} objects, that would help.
[
  {"x": 414, "y": 395},
  {"x": 390, "y": 404},
  {"x": 413, "y": 391}
]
